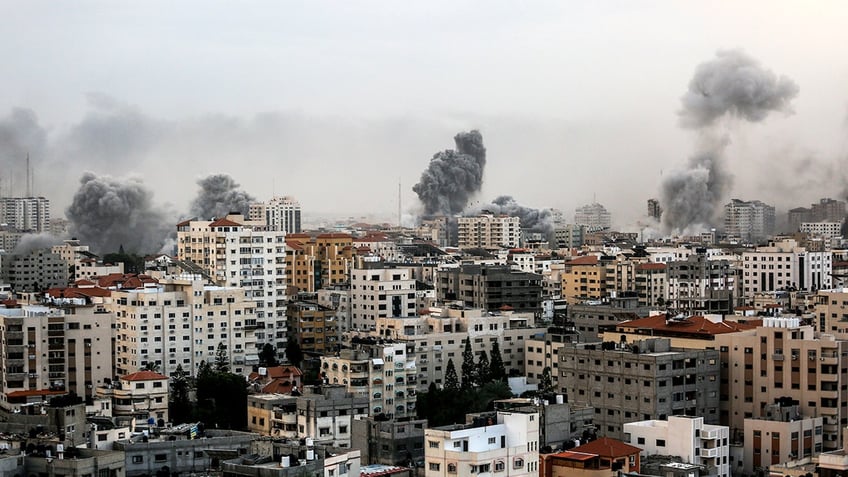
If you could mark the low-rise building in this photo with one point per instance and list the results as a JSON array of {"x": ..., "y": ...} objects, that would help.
[
  {"x": 687, "y": 437},
  {"x": 389, "y": 442},
  {"x": 782, "y": 434},
  {"x": 598, "y": 458},
  {"x": 143, "y": 395}
]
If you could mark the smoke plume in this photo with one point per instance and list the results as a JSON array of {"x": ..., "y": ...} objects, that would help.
[
  {"x": 732, "y": 85},
  {"x": 453, "y": 176},
  {"x": 534, "y": 220},
  {"x": 30, "y": 242},
  {"x": 218, "y": 196},
  {"x": 107, "y": 213}
]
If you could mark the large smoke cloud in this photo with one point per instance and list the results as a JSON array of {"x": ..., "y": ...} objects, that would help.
[
  {"x": 534, "y": 220},
  {"x": 107, "y": 213},
  {"x": 731, "y": 85},
  {"x": 453, "y": 176},
  {"x": 218, "y": 196}
]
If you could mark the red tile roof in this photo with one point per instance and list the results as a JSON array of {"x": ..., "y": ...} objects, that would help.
[
  {"x": 651, "y": 266},
  {"x": 34, "y": 392},
  {"x": 72, "y": 292},
  {"x": 571, "y": 455},
  {"x": 335, "y": 236},
  {"x": 144, "y": 376},
  {"x": 608, "y": 447},
  {"x": 184, "y": 223},
  {"x": 692, "y": 325},
  {"x": 587, "y": 260},
  {"x": 224, "y": 223}
]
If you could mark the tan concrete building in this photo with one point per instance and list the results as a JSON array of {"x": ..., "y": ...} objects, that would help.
[
  {"x": 315, "y": 263},
  {"x": 784, "y": 359},
  {"x": 142, "y": 395},
  {"x": 782, "y": 435},
  {"x": 313, "y": 326},
  {"x": 651, "y": 284},
  {"x": 831, "y": 308},
  {"x": 584, "y": 278},
  {"x": 489, "y": 231}
]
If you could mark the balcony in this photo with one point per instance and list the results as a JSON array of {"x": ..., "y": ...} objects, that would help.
[
  {"x": 714, "y": 452},
  {"x": 707, "y": 435}
]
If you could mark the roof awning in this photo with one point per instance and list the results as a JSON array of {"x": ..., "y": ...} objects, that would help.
[{"x": 377, "y": 361}]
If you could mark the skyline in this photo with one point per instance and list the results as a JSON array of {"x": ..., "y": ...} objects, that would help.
[{"x": 317, "y": 100}]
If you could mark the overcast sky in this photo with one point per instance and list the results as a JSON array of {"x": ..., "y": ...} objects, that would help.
[{"x": 335, "y": 102}]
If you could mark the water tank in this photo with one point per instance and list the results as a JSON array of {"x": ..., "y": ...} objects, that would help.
[
  {"x": 560, "y": 399},
  {"x": 310, "y": 442},
  {"x": 285, "y": 461},
  {"x": 310, "y": 454}
]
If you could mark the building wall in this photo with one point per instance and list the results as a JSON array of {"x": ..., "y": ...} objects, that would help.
[
  {"x": 776, "y": 442},
  {"x": 686, "y": 437},
  {"x": 379, "y": 293},
  {"x": 489, "y": 231}
]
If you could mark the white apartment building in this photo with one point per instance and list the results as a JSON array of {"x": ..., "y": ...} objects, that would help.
[
  {"x": 748, "y": 220},
  {"x": 26, "y": 214},
  {"x": 505, "y": 444},
  {"x": 825, "y": 230},
  {"x": 280, "y": 214},
  {"x": 385, "y": 373},
  {"x": 141, "y": 394},
  {"x": 380, "y": 292},
  {"x": 593, "y": 216},
  {"x": 784, "y": 264},
  {"x": 489, "y": 231},
  {"x": 686, "y": 437},
  {"x": 236, "y": 254},
  {"x": 181, "y": 322},
  {"x": 440, "y": 336}
]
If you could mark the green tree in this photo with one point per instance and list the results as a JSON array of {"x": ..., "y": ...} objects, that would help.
[
  {"x": 293, "y": 352},
  {"x": 451, "y": 379},
  {"x": 222, "y": 400},
  {"x": 180, "y": 404},
  {"x": 222, "y": 361},
  {"x": 483, "y": 368},
  {"x": 497, "y": 370},
  {"x": 151, "y": 366},
  {"x": 467, "y": 365},
  {"x": 268, "y": 356}
]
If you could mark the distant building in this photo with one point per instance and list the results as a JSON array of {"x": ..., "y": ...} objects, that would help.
[
  {"x": 280, "y": 214},
  {"x": 825, "y": 230},
  {"x": 828, "y": 210},
  {"x": 654, "y": 209},
  {"x": 569, "y": 235},
  {"x": 389, "y": 442},
  {"x": 26, "y": 214},
  {"x": 701, "y": 285},
  {"x": 599, "y": 458},
  {"x": 490, "y": 287},
  {"x": 313, "y": 263},
  {"x": 749, "y": 221},
  {"x": 686, "y": 437},
  {"x": 313, "y": 327},
  {"x": 35, "y": 271},
  {"x": 593, "y": 216},
  {"x": 381, "y": 291},
  {"x": 489, "y": 231}
]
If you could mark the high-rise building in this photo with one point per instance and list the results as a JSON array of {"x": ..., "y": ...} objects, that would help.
[
  {"x": 490, "y": 287},
  {"x": 26, "y": 214},
  {"x": 699, "y": 284},
  {"x": 35, "y": 271},
  {"x": 654, "y": 209},
  {"x": 314, "y": 327},
  {"x": 489, "y": 231},
  {"x": 280, "y": 214},
  {"x": 749, "y": 221},
  {"x": 828, "y": 210},
  {"x": 593, "y": 216},
  {"x": 784, "y": 265},
  {"x": 235, "y": 254},
  {"x": 313, "y": 263},
  {"x": 379, "y": 291}
]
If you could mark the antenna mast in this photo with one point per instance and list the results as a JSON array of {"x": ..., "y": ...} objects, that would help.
[
  {"x": 28, "y": 178},
  {"x": 400, "y": 220}
]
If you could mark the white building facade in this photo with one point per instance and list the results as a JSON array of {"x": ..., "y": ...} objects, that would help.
[
  {"x": 489, "y": 231},
  {"x": 686, "y": 437}
]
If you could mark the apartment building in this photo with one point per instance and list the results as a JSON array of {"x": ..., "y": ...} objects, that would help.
[
  {"x": 313, "y": 326},
  {"x": 389, "y": 442},
  {"x": 591, "y": 319},
  {"x": 781, "y": 435},
  {"x": 651, "y": 284},
  {"x": 598, "y": 458},
  {"x": 831, "y": 308},
  {"x": 50, "y": 352},
  {"x": 489, "y": 231},
  {"x": 687, "y": 437},
  {"x": 645, "y": 380},
  {"x": 337, "y": 298},
  {"x": 569, "y": 236},
  {"x": 379, "y": 245},
  {"x": 34, "y": 271},
  {"x": 784, "y": 359},
  {"x": 593, "y": 216},
  {"x": 505, "y": 443},
  {"x": 385, "y": 373},
  {"x": 319, "y": 262},
  {"x": 683, "y": 331},
  {"x": 701, "y": 285},
  {"x": 825, "y": 230},
  {"x": 380, "y": 291},
  {"x": 584, "y": 279},
  {"x": 784, "y": 265},
  {"x": 558, "y": 421},
  {"x": 322, "y": 413},
  {"x": 440, "y": 334},
  {"x": 25, "y": 214},
  {"x": 280, "y": 214},
  {"x": 235, "y": 253},
  {"x": 490, "y": 287},
  {"x": 142, "y": 395},
  {"x": 748, "y": 221},
  {"x": 180, "y": 321}
]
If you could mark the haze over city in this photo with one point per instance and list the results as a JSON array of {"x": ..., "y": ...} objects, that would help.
[{"x": 337, "y": 103}]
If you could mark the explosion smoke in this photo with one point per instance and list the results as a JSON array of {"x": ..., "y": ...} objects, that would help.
[
  {"x": 108, "y": 213},
  {"x": 534, "y": 220},
  {"x": 219, "y": 195},
  {"x": 731, "y": 85},
  {"x": 453, "y": 176}
]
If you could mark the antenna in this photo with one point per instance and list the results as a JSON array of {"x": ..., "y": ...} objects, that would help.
[
  {"x": 400, "y": 220},
  {"x": 28, "y": 178}
]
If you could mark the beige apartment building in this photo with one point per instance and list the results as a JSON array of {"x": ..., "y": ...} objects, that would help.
[
  {"x": 489, "y": 231},
  {"x": 831, "y": 308},
  {"x": 783, "y": 434},
  {"x": 784, "y": 359},
  {"x": 181, "y": 322},
  {"x": 314, "y": 327},
  {"x": 584, "y": 278}
]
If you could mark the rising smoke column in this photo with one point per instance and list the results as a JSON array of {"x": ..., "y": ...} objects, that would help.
[
  {"x": 218, "y": 196},
  {"x": 107, "y": 213},
  {"x": 453, "y": 176},
  {"x": 731, "y": 85}
]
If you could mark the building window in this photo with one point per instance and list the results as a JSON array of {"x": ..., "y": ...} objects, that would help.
[
  {"x": 137, "y": 459},
  {"x": 434, "y": 466},
  {"x": 660, "y": 442},
  {"x": 518, "y": 463},
  {"x": 499, "y": 466},
  {"x": 451, "y": 468},
  {"x": 434, "y": 444}
]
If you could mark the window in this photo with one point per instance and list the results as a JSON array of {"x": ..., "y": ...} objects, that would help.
[
  {"x": 640, "y": 440},
  {"x": 433, "y": 444},
  {"x": 451, "y": 468},
  {"x": 518, "y": 463},
  {"x": 660, "y": 442},
  {"x": 492, "y": 440},
  {"x": 434, "y": 466},
  {"x": 160, "y": 457},
  {"x": 499, "y": 466},
  {"x": 137, "y": 459}
]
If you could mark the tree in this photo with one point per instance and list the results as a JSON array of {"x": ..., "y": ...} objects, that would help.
[
  {"x": 497, "y": 371},
  {"x": 222, "y": 361},
  {"x": 268, "y": 356},
  {"x": 151, "y": 366},
  {"x": 483, "y": 368},
  {"x": 293, "y": 352},
  {"x": 451, "y": 379},
  {"x": 467, "y": 365},
  {"x": 180, "y": 405}
]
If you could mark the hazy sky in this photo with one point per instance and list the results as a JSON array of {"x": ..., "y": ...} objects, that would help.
[{"x": 334, "y": 102}]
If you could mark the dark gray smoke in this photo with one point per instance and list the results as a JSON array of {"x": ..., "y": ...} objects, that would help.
[
  {"x": 453, "y": 176},
  {"x": 534, "y": 220},
  {"x": 731, "y": 85},
  {"x": 40, "y": 241},
  {"x": 107, "y": 213},
  {"x": 218, "y": 196}
]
